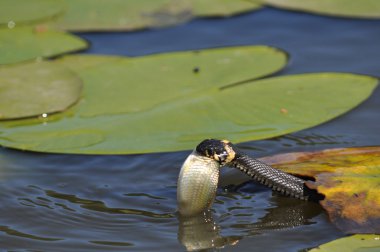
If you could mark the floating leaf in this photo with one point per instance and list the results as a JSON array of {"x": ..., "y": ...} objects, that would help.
[
  {"x": 80, "y": 62},
  {"x": 349, "y": 178},
  {"x": 84, "y": 15},
  {"x": 170, "y": 102},
  {"x": 26, "y": 11},
  {"x": 95, "y": 15},
  {"x": 36, "y": 88},
  {"x": 223, "y": 7},
  {"x": 354, "y": 243},
  {"x": 344, "y": 8},
  {"x": 25, "y": 43},
  {"x": 141, "y": 84}
]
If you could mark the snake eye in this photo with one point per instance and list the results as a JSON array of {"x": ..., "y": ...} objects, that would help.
[{"x": 220, "y": 151}]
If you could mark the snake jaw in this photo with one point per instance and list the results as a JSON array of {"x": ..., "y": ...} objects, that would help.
[{"x": 221, "y": 151}]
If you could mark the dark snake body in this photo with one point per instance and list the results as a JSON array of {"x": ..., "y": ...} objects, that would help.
[{"x": 277, "y": 180}]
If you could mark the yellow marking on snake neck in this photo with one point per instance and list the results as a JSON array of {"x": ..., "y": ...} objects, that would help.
[{"x": 231, "y": 153}]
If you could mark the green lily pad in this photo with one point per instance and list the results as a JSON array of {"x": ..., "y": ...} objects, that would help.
[
  {"x": 354, "y": 243},
  {"x": 127, "y": 15},
  {"x": 35, "y": 89},
  {"x": 344, "y": 8},
  {"x": 172, "y": 101},
  {"x": 222, "y": 8},
  {"x": 80, "y": 62},
  {"x": 26, "y": 11},
  {"x": 95, "y": 15},
  {"x": 26, "y": 43},
  {"x": 145, "y": 82}
]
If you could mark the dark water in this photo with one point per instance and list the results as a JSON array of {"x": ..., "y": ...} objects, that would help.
[{"x": 127, "y": 203}]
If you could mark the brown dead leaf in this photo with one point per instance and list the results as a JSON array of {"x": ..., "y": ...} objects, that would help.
[{"x": 350, "y": 180}]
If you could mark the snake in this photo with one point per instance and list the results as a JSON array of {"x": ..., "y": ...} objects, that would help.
[{"x": 199, "y": 175}]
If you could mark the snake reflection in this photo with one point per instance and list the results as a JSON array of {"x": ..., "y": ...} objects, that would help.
[{"x": 201, "y": 231}]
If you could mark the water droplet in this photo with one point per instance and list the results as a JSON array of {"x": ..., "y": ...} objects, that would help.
[{"x": 11, "y": 24}]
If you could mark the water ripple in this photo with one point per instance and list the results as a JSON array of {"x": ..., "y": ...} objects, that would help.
[
  {"x": 96, "y": 205},
  {"x": 13, "y": 232}
]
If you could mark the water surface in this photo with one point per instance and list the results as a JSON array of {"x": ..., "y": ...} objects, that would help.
[{"x": 127, "y": 203}]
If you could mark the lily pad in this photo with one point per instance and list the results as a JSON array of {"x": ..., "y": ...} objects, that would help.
[
  {"x": 170, "y": 102},
  {"x": 141, "y": 84},
  {"x": 354, "y": 243},
  {"x": 344, "y": 8},
  {"x": 222, "y": 8},
  {"x": 25, "y": 43},
  {"x": 27, "y": 11},
  {"x": 128, "y": 15},
  {"x": 34, "y": 89},
  {"x": 349, "y": 178},
  {"x": 80, "y": 62},
  {"x": 96, "y": 15}
]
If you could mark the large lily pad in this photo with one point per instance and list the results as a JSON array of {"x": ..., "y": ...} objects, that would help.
[
  {"x": 127, "y": 15},
  {"x": 84, "y": 15},
  {"x": 26, "y": 11},
  {"x": 222, "y": 8},
  {"x": 354, "y": 243},
  {"x": 81, "y": 62},
  {"x": 344, "y": 8},
  {"x": 141, "y": 84},
  {"x": 36, "y": 88},
  {"x": 349, "y": 178},
  {"x": 25, "y": 43}
]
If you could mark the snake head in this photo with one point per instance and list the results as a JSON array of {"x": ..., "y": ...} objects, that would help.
[{"x": 221, "y": 151}]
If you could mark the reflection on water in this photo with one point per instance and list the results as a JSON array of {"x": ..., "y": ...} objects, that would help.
[
  {"x": 96, "y": 205},
  {"x": 201, "y": 232},
  {"x": 287, "y": 213},
  {"x": 13, "y": 232}
]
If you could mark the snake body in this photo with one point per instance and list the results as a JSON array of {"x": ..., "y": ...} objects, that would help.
[
  {"x": 199, "y": 175},
  {"x": 277, "y": 180}
]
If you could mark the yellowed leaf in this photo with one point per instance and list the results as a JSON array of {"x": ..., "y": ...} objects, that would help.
[{"x": 349, "y": 179}]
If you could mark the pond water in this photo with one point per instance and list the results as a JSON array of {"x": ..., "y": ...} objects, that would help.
[{"x": 127, "y": 203}]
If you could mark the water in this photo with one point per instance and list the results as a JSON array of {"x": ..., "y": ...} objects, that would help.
[{"x": 127, "y": 203}]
